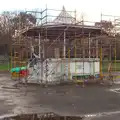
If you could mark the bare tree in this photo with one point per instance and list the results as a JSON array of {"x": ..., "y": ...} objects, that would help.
[{"x": 12, "y": 21}]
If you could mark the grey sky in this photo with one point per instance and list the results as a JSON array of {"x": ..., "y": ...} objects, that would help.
[{"x": 90, "y": 8}]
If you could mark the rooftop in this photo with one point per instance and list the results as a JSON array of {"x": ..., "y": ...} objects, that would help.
[{"x": 63, "y": 22}]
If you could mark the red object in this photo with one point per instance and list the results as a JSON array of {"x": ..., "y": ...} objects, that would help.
[{"x": 24, "y": 73}]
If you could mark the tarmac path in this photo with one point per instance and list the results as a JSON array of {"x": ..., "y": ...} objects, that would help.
[{"x": 100, "y": 101}]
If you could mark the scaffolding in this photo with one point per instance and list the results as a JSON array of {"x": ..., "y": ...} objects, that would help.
[
  {"x": 19, "y": 54},
  {"x": 112, "y": 29},
  {"x": 63, "y": 40}
]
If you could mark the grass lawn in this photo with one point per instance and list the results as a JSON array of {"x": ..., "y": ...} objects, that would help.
[
  {"x": 106, "y": 64},
  {"x": 4, "y": 67}
]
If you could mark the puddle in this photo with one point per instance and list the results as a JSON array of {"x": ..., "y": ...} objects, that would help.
[
  {"x": 46, "y": 116},
  {"x": 116, "y": 90},
  {"x": 53, "y": 116}
]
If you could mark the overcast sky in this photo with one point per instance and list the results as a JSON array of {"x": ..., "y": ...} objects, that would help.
[{"x": 90, "y": 8}]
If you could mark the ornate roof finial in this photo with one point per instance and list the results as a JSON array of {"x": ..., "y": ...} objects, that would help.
[
  {"x": 63, "y": 8},
  {"x": 64, "y": 17}
]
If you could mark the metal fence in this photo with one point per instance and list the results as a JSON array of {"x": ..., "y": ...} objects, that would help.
[{"x": 4, "y": 57}]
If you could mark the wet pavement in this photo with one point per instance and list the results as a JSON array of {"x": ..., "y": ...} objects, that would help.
[{"x": 96, "y": 102}]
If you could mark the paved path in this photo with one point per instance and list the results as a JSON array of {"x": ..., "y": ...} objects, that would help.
[{"x": 64, "y": 100}]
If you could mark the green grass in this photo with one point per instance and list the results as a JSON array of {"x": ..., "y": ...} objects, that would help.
[
  {"x": 4, "y": 67},
  {"x": 106, "y": 64}
]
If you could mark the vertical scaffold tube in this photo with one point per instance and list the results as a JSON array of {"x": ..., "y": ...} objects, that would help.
[
  {"x": 11, "y": 58},
  {"x": 75, "y": 61},
  {"x": 69, "y": 74},
  {"x": 101, "y": 62},
  {"x": 115, "y": 55},
  {"x": 64, "y": 53}
]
